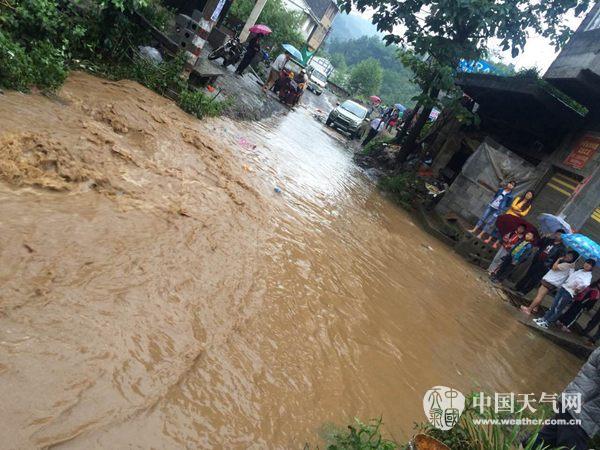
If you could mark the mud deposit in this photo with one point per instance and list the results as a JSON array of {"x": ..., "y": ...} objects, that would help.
[{"x": 155, "y": 292}]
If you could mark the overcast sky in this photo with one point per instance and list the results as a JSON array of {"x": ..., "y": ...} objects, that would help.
[{"x": 538, "y": 51}]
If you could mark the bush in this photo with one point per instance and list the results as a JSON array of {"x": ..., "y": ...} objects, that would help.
[
  {"x": 361, "y": 436},
  {"x": 402, "y": 187},
  {"x": 40, "y": 38},
  {"x": 159, "y": 77},
  {"x": 200, "y": 104}
]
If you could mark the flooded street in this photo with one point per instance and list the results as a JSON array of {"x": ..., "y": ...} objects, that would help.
[{"x": 156, "y": 292}]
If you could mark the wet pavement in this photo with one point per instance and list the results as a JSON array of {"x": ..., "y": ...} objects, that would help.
[{"x": 158, "y": 291}]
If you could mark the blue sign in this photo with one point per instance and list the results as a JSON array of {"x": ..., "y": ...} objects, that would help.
[{"x": 477, "y": 67}]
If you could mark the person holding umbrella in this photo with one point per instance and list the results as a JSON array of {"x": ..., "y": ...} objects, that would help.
[
  {"x": 551, "y": 248},
  {"x": 577, "y": 281},
  {"x": 252, "y": 49},
  {"x": 553, "y": 279}
]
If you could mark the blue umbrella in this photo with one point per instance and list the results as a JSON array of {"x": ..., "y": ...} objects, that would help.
[
  {"x": 583, "y": 245},
  {"x": 293, "y": 51},
  {"x": 400, "y": 107},
  {"x": 550, "y": 223}
]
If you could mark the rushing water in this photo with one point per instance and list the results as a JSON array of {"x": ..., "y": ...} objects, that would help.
[{"x": 166, "y": 296}]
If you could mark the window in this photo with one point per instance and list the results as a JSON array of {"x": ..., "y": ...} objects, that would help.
[{"x": 594, "y": 24}]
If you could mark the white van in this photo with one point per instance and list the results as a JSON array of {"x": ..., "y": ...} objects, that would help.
[{"x": 317, "y": 81}]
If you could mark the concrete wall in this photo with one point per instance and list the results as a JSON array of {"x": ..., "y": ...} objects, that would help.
[
  {"x": 323, "y": 28},
  {"x": 584, "y": 202},
  {"x": 581, "y": 52},
  {"x": 473, "y": 189},
  {"x": 339, "y": 91}
]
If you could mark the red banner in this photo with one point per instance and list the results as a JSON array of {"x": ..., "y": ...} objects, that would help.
[{"x": 584, "y": 150}]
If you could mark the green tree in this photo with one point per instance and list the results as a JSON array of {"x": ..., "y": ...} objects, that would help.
[
  {"x": 338, "y": 61},
  {"x": 449, "y": 30},
  {"x": 366, "y": 77},
  {"x": 285, "y": 24},
  {"x": 397, "y": 85},
  {"x": 397, "y": 88}
]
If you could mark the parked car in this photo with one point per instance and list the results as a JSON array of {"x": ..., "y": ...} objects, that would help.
[{"x": 348, "y": 117}]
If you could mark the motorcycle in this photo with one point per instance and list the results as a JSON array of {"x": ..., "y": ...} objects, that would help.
[{"x": 231, "y": 52}]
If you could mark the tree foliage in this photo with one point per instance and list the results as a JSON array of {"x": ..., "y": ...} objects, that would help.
[
  {"x": 396, "y": 86},
  {"x": 366, "y": 77},
  {"x": 285, "y": 24},
  {"x": 39, "y": 39},
  {"x": 447, "y": 31},
  {"x": 455, "y": 29}
]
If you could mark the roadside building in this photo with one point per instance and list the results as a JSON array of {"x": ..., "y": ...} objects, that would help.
[
  {"x": 530, "y": 130},
  {"x": 576, "y": 71},
  {"x": 309, "y": 20},
  {"x": 318, "y": 17},
  {"x": 325, "y": 11}
]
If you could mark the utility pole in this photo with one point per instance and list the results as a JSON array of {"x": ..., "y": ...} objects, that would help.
[{"x": 252, "y": 18}]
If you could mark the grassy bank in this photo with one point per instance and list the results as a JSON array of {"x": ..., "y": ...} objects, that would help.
[
  {"x": 467, "y": 434},
  {"x": 42, "y": 40}
]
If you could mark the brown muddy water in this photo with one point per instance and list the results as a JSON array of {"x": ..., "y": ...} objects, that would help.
[{"x": 155, "y": 292}]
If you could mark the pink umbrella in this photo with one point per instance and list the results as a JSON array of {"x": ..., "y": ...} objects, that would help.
[
  {"x": 260, "y": 29},
  {"x": 375, "y": 99}
]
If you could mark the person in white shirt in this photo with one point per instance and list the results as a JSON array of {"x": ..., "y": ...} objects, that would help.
[
  {"x": 553, "y": 279},
  {"x": 377, "y": 124},
  {"x": 577, "y": 281},
  {"x": 276, "y": 68}
]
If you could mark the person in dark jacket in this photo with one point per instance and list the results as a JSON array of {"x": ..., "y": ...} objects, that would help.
[
  {"x": 502, "y": 200},
  {"x": 585, "y": 388},
  {"x": 252, "y": 50},
  {"x": 551, "y": 248}
]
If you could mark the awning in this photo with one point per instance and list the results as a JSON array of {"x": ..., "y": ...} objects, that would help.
[{"x": 521, "y": 102}]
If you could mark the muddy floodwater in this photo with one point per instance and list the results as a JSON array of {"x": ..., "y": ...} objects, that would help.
[{"x": 156, "y": 292}]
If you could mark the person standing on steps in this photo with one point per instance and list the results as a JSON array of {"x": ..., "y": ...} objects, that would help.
[
  {"x": 520, "y": 207},
  {"x": 508, "y": 241},
  {"x": 586, "y": 299},
  {"x": 518, "y": 254},
  {"x": 553, "y": 279},
  {"x": 503, "y": 198},
  {"x": 551, "y": 248},
  {"x": 578, "y": 280},
  {"x": 376, "y": 125},
  {"x": 252, "y": 50}
]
